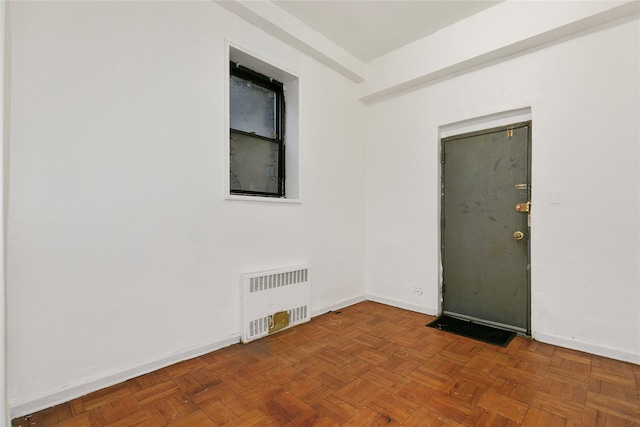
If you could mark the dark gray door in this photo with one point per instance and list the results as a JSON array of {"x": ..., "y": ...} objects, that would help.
[{"x": 485, "y": 240}]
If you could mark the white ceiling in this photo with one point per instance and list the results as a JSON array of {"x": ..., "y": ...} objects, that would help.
[{"x": 368, "y": 29}]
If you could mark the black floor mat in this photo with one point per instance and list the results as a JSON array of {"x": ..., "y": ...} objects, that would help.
[{"x": 473, "y": 330}]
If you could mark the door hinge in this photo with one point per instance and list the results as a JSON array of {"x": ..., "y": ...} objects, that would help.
[
  {"x": 442, "y": 158},
  {"x": 442, "y": 223}
]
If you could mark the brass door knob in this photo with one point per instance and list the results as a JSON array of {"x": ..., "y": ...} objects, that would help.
[{"x": 518, "y": 235}]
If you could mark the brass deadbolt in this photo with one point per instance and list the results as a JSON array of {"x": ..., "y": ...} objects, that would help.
[
  {"x": 523, "y": 207},
  {"x": 518, "y": 235}
]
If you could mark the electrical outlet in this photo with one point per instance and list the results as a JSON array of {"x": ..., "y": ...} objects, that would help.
[{"x": 417, "y": 291}]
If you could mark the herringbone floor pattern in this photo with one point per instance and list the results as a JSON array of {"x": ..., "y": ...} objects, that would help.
[{"x": 368, "y": 365}]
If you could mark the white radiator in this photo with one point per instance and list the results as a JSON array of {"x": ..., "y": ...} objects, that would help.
[{"x": 269, "y": 292}]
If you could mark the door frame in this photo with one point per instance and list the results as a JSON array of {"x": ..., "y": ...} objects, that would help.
[
  {"x": 479, "y": 124},
  {"x": 5, "y": 417}
]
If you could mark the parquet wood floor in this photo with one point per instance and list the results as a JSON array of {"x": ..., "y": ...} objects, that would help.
[{"x": 368, "y": 365}]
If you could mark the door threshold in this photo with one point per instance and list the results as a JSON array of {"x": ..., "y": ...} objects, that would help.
[{"x": 499, "y": 325}]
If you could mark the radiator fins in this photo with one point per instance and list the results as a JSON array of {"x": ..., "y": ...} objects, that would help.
[{"x": 275, "y": 291}]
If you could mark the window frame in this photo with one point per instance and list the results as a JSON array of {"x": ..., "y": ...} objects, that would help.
[{"x": 236, "y": 69}]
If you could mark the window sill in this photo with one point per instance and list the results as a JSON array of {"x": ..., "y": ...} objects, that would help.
[{"x": 262, "y": 199}]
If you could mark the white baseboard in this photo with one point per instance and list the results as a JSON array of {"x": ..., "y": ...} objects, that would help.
[
  {"x": 337, "y": 306},
  {"x": 403, "y": 305},
  {"x": 68, "y": 393},
  {"x": 612, "y": 353}
]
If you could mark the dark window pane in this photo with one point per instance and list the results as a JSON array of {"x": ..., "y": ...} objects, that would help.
[
  {"x": 253, "y": 107},
  {"x": 254, "y": 164}
]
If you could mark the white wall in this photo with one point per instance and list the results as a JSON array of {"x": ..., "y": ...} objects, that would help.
[
  {"x": 122, "y": 252},
  {"x": 584, "y": 96}
]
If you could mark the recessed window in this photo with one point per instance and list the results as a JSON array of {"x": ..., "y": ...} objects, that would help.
[
  {"x": 263, "y": 147},
  {"x": 256, "y": 111}
]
